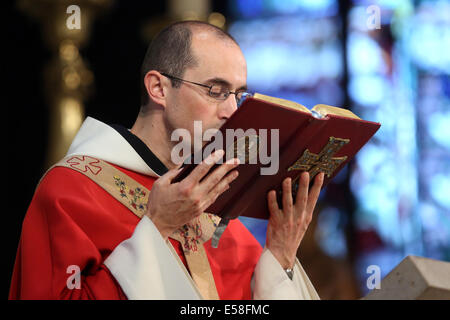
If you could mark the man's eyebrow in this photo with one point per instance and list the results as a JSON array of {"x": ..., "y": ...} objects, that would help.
[{"x": 224, "y": 82}]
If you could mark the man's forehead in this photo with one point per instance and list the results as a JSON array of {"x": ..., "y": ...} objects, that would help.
[
  {"x": 219, "y": 57},
  {"x": 202, "y": 34},
  {"x": 207, "y": 39}
]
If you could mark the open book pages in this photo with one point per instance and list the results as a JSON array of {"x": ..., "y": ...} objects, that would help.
[{"x": 321, "y": 109}]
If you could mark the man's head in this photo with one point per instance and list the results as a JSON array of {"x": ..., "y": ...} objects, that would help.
[{"x": 197, "y": 52}]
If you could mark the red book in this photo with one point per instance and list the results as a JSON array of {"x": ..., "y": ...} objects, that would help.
[{"x": 279, "y": 139}]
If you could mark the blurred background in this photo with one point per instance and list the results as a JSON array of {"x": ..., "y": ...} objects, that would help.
[{"x": 388, "y": 61}]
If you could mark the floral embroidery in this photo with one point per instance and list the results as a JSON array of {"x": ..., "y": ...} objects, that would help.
[
  {"x": 135, "y": 196},
  {"x": 191, "y": 234},
  {"x": 211, "y": 218}
]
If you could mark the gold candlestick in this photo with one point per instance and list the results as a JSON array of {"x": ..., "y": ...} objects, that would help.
[{"x": 68, "y": 80}]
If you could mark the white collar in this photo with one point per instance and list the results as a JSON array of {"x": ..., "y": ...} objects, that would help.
[{"x": 97, "y": 139}]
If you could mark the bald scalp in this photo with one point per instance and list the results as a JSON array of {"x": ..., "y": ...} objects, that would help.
[{"x": 171, "y": 51}]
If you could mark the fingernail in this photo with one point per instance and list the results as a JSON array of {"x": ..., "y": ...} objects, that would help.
[
  {"x": 233, "y": 161},
  {"x": 219, "y": 154}
]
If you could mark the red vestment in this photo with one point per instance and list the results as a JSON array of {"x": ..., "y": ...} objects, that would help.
[{"x": 73, "y": 221}]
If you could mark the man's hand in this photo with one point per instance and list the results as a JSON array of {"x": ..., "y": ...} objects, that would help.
[
  {"x": 287, "y": 227},
  {"x": 172, "y": 205}
]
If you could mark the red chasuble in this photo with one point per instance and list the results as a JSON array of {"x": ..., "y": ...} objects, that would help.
[{"x": 72, "y": 221}]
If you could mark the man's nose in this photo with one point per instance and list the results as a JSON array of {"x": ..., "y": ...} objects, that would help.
[{"x": 228, "y": 107}]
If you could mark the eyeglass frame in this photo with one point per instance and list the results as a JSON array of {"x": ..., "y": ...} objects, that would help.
[{"x": 238, "y": 100}]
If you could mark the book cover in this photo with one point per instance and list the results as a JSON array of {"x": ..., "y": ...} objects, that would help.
[{"x": 275, "y": 139}]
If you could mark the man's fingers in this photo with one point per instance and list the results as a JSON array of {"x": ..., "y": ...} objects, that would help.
[
  {"x": 172, "y": 173},
  {"x": 314, "y": 193},
  {"x": 301, "y": 198},
  {"x": 287, "y": 195},
  {"x": 217, "y": 175},
  {"x": 225, "y": 182},
  {"x": 272, "y": 202},
  {"x": 221, "y": 187},
  {"x": 203, "y": 168}
]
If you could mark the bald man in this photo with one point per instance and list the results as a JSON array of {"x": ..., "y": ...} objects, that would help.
[{"x": 107, "y": 222}]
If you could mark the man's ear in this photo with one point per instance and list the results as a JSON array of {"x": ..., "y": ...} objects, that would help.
[{"x": 156, "y": 86}]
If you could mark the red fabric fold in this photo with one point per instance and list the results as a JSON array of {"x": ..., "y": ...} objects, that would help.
[{"x": 72, "y": 221}]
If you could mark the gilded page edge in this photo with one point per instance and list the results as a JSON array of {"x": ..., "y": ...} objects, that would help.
[
  {"x": 282, "y": 102},
  {"x": 324, "y": 109}
]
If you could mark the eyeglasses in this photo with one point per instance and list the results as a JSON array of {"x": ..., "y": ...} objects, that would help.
[{"x": 216, "y": 91}]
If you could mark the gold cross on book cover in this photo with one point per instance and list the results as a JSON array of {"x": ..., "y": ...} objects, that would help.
[{"x": 274, "y": 139}]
